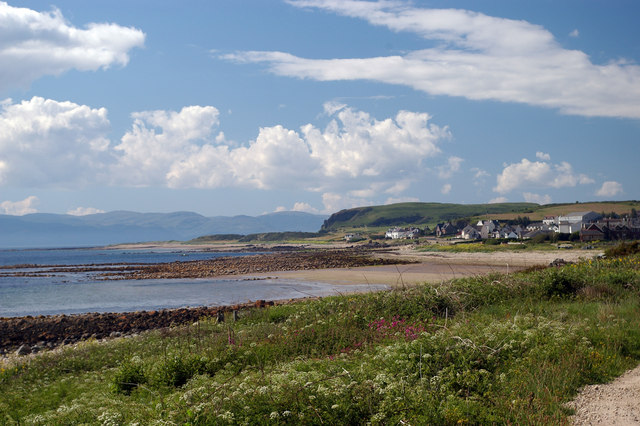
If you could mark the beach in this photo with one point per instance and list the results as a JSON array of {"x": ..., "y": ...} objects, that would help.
[
  {"x": 433, "y": 267},
  {"x": 392, "y": 267}
]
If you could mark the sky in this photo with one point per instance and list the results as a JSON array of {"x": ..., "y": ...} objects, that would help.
[{"x": 255, "y": 106}]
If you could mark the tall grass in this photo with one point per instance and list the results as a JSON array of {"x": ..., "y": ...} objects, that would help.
[{"x": 493, "y": 349}]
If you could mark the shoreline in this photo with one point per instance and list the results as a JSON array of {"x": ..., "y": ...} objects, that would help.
[{"x": 392, "y": 267}]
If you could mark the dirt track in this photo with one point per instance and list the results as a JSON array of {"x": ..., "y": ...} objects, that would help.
[{"x": 616, "y": 403}]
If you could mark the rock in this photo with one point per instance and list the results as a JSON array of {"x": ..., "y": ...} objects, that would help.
[{"x": 23, "y": 350}]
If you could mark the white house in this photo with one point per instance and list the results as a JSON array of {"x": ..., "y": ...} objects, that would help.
[
  {"x": 573, "y": 221},
  {"x": 397, "y": 233},
  {"x": 470, "y": 233}
]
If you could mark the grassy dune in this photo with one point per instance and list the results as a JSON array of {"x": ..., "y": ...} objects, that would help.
[{"x": 494, "y": 349}]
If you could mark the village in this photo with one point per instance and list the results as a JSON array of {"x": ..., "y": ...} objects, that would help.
[{"x": 576, "y": 226}]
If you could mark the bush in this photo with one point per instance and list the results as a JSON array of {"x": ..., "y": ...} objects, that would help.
[
  {"x": 559, "y": 282},
  {"x": 177, "y": 370},
  {"x": 623, "y": 249},
  {"x": 129, "y": 376}
]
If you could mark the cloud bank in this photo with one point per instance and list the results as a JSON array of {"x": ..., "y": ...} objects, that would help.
[
  {"x": 34, "y": 44},
  {"x": 475, "y": 56},
  {"x": 46, "y": 143}
]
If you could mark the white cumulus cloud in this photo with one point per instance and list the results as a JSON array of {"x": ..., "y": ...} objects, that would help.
[
  {"x": 446, "y": 188},
  {"x": 84, "y": 211},
  {"x": 543, "y": 156},
  {"x": 62, "y": 144},
  {"x": 334, "y": 202},
  {"x": 609, "y": 189},
  {"x": 530, "y": 197},
  {"x": 452, "y": 166},
  {"x": 49, "y": 143},
  {"x": 159, "y": 139},
  {"x": 19, "y": 208},
  {"x": 354, "y": 152},
  {"x": 34, "y": 44},
  {"x": 538, "y": 174},
  {"x": 477, "y": 56},
  {"x": 498, "y": 200},
  {"x": 304, "y": 207}
]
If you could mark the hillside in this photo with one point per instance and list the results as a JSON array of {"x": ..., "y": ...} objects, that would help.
[
  {"x": 619, "y": 207},
  {"x": 419, "y": 214}
]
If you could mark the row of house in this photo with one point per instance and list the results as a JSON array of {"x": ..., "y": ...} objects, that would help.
[
  {"x": 611, "y": 229},
  {"x": 589, "y": 224},
  {"x": 481, "y": 230}
]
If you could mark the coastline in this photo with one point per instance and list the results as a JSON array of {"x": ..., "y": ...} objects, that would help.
[{"x": 395, "y": 268}]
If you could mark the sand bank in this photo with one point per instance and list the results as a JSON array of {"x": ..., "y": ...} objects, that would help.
[{"x": 435, "y": 267}]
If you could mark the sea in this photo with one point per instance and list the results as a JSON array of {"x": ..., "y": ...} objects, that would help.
[{"x": 70, "y": 292}]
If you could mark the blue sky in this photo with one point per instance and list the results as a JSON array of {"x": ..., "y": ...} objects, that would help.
[{"x": 249, "y": 107}]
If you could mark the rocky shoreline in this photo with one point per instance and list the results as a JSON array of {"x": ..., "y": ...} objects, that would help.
[
  {"x": 32, "y": 334},
  {"x": 261, "y": 263},
  {"x": 29, "y": 334}
]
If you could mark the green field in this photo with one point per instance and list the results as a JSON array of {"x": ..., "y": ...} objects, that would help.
[
  {"x": 500, "y": 349},
  {"x": 421, "y": 214}
]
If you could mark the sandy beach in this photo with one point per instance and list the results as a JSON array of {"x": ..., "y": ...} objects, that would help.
[
  {"x": 435, "y": 267},
  {"x": 429, "y": 267}
]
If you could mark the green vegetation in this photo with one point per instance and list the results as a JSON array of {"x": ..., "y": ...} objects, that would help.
[
  {"x": 499, "y": 349},
  {"x": 608, "y": 207},
  {"x": 402, "y": 214},
  {"x": 266, "y": 237},
  {"x": 215, "y": 238},
  {"x": 420, "y": 214},
  {"x": 625, "y": 248},
  {"x": 279, "y": 236}
]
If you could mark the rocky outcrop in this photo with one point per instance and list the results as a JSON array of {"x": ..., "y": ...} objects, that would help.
[
  {"x": 27, "y": 333},
  {"x": 261, "y": 263}
]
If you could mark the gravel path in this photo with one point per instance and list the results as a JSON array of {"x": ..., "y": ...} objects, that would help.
[{"x": 616, "y": 403}]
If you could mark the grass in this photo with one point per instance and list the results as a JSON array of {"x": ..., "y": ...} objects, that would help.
[{"x": 504, "y": 349}]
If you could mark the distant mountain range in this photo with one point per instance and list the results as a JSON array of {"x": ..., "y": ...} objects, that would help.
[{"x": 56, "y": 230}]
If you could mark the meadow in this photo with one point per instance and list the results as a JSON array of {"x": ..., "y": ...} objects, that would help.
[{"x": 497, "y": 349}]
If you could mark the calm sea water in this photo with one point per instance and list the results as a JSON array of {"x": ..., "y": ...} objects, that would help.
[{"x": 69, "y": 293}]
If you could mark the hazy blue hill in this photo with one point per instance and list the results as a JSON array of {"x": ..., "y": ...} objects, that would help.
[{"x": 55, "y": 230}]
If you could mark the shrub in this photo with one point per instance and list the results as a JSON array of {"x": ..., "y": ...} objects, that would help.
[
  {"x": 623, "y": 249},
  {"x": 177, "y": 370},
  {"x": 559, "y": 282},
  {"x": 130, "y": 375}
]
